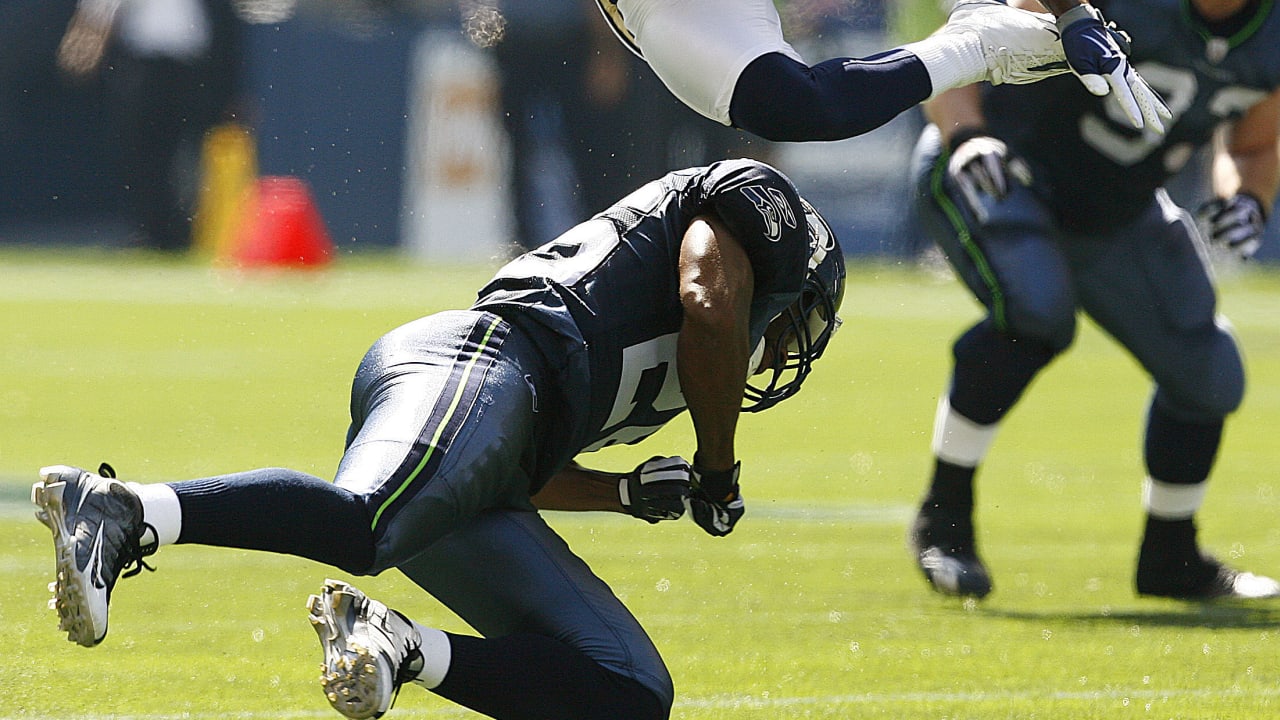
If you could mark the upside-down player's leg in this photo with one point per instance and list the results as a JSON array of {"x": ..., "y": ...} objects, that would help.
[{"x": 728, "y": 60}]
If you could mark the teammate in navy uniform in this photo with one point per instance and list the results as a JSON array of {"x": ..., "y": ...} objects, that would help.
[
  {"x": 465, "y": 423},
  {"x": 728, "y": 60},
  {"x": 1045, "y": 203}
]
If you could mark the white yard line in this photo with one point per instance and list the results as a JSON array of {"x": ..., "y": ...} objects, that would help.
[{"x": 756, "y": 702}]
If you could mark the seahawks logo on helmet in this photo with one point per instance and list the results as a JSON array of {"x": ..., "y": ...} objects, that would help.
[{"x": 799, "y": 335}]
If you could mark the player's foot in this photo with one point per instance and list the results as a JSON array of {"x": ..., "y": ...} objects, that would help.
[
  {"x": 945, "y": 551},
  {"x": 370, "y": 650},
  {"x": 97, "y": 529},
  {"x": 1018, "y": 46},
  {"x": 1201, "y": 578}
]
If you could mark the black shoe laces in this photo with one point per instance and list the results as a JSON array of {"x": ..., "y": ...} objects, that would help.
[
  {"x": 133, "y": 551},
  {"x": 407, "y": 670}
]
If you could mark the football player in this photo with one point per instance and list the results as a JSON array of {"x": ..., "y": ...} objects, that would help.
[
  {"x": 1046, "y": 202},
  {"x": 728, "y": 60},
  {"x": 466, "y": 423}
]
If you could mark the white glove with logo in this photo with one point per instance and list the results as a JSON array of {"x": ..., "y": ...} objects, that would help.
[
  {"x": 1097, "y": 52},
  {"x": 656, "y": 490},
  {"x": 982, "y": 165},
  {"x": 1236, "y": 222}
]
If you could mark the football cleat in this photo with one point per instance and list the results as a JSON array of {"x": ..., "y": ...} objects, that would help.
[
  {"x": 370, "y": 650},
  {"x": 1202, "y": 579},
  {"x": 1018, "y": 46},
  {"x": 944, "y": 551},
  {"x": 97, "y": 529}
]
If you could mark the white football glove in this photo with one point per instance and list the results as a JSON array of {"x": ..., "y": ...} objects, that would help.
[
  {"x": 656, "y": 490},
  {"x": 982, "y": 165},
  {"x": 1094, "y": 50},
  {"x": 1017, "y": 47},
  {"x": 1236, "y": 222}
]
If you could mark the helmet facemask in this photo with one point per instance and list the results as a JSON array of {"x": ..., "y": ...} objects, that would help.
[{"x": 800, "y": 334}]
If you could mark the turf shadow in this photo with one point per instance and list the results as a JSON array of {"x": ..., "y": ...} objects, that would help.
[{"x": 1219, "y": 614}]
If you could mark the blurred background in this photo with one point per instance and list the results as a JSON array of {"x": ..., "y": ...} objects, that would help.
[{"x": 446, "y": 130}]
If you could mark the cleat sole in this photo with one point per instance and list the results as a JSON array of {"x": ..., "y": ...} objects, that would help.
[
  {"x": 349, "y": 674},
  {"x": 69, "y": 593}
]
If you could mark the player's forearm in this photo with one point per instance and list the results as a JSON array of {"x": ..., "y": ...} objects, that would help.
[
  {"x": 577, "y": 488},
  {"x": 1249, "y": 159},
  {"x": 1257, "y": 174},
  {"x": 716, "y": 286},
  {"x": 713, "y": 370},
  {"x": 956, "y": 110}
]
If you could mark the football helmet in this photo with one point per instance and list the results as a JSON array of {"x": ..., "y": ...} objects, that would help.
[{"x": 806, "y": 326}]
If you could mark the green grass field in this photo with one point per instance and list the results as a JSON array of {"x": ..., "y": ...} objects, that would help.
[{"x": 811, "y": 609}]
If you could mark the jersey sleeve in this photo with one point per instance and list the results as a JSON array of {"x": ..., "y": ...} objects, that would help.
[{"x": 763, "y": 210}]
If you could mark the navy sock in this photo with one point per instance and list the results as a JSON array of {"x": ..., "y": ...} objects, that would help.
[
  {"x": 781, "y": 99},
  {"x": 281, "y": 511},
  {"x": 951, "y": 491},
  {"x": 1178, "y": 451}
]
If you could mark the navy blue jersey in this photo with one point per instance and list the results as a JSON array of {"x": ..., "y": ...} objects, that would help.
[
  {"x": 602, "y": 300},
  {"x": 1098, "y": 171}
]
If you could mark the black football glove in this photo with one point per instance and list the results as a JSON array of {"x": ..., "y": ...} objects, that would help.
[
  {"x": 1236, "y": 222},
  {"x": 1097, "y": 52},
  {"x": 656, "y": 489},
  {"x": 981, "y": 164},
  {"x": 715, "y": 500}
]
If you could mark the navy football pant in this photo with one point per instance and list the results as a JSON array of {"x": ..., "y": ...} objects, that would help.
[
  {"x": 435, "y": 482},
  {"x": 1145, "y": 282}
]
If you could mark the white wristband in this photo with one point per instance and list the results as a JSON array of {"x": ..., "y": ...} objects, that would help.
[{"x": 952, "y": 60}]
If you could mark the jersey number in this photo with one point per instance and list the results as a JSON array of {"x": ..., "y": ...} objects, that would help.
[
  {"x": 1178, "y": 86},
  {"x": 647, "y": 386}
]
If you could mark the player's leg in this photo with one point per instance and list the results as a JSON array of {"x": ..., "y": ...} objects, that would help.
[
  {"x": 411, "y": 398},
  {"x": 1011, "y": 263},
  {"x": 698, "y": 50},
  {"x": 728, "y": 60},
  {"x": 418, "y": 394},
  {"x": 102, "y": 526},
  {"x": 783, "y": 99},
  {"x": 1153, "y": 293},
  {"x": 556, "y": 641}
]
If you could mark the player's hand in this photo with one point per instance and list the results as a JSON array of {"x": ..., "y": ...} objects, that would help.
[
  {"x": 1236, "y": 222},
  {"x": 715, "y": 500},
  {"x": 1017, "y": 46},
  {"x": 1098, "y": 54},
  {"x": 981, "y": 165},
  {"x": 656, "y": 490}
]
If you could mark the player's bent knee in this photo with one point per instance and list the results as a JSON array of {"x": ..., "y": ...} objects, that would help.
[
  {"x": 1224, "y": 390},
  {"x": 1044, "y": 324},
  {"x": 643, "y": 703},
  {"x": 1209, "y": 383}
]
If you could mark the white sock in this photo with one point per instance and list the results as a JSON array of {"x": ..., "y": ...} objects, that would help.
[
  {"x": 952, "y": 60},
  {"x": 161, "y": 510},
  {"x": 1172, "y": 501},
  {"x": 959, "y": 440},
  {"x": 436, "y": 655}
]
